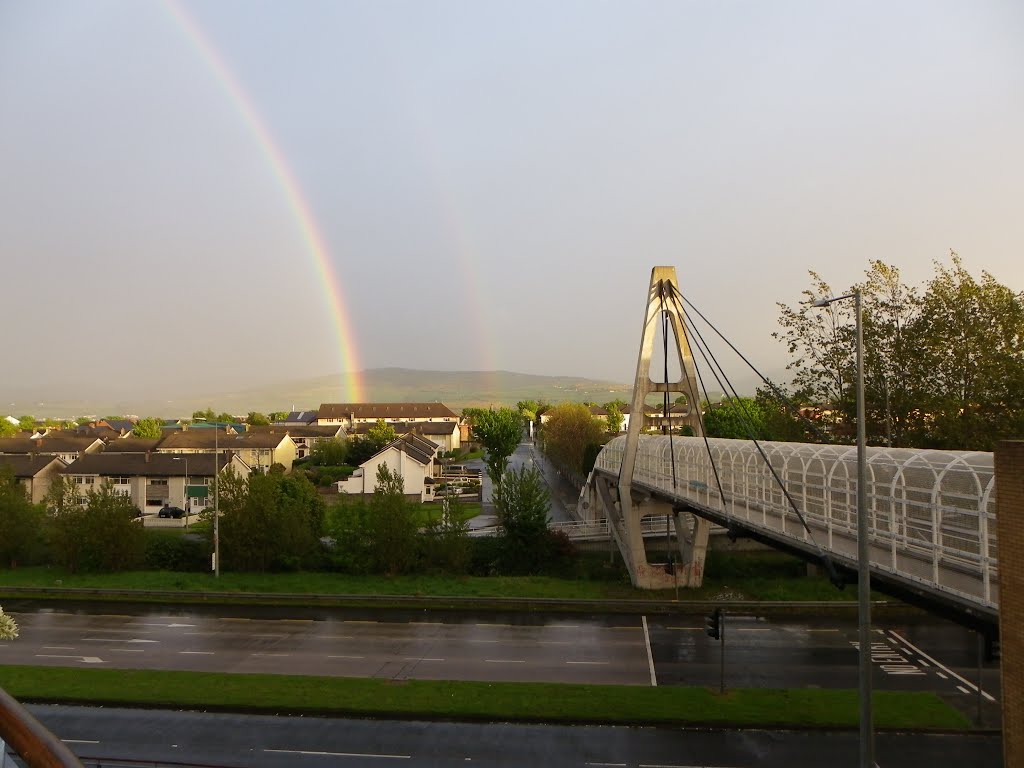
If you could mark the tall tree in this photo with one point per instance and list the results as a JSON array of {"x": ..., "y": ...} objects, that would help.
[
  {"x": 257, "y": 419},
  {"x": 7, "y": 428},
  {"x": 20, "y": 523},
  {"x": 150, "y": 428},
  {"x": 392, "y": 526},
  {"x": 499, "y": 432},
  {"x": 971, "y": 333},
  {"x": 738, "y": 418},
  {"x": 569, "y": 431},
  {"x": 104, "y": 534},
  {"x": 522, "y": 501}
]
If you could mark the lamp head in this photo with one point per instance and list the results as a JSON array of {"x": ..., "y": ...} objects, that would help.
[{"x": 821, "y": 302}]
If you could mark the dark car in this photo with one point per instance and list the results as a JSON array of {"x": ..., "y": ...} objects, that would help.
[{"x": 168, "y": 511}]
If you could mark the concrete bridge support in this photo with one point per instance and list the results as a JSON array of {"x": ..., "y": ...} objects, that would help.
[{"x": 625, "y": 507}]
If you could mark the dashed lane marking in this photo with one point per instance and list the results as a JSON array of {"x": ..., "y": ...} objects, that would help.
[{"x": 942, "y": 666}]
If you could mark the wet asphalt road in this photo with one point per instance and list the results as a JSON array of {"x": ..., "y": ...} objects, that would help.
[
  {"x": 924, "y": 654},
  {"x": 155, "y": 738}
]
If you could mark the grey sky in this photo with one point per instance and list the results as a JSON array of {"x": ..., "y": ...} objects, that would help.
[{"x": 493, "y": 181}]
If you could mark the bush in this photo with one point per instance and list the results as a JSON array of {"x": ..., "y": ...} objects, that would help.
[{"x": 171, "y": 551}]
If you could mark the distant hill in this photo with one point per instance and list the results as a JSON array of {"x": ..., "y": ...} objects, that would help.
[{"x": 457, "y": 389}]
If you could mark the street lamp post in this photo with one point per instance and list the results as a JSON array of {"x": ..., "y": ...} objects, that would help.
[
  {"x": 184, "y": 491},
  {"x": 867, "y": 738},
  {"x": 216, "y": 505}
]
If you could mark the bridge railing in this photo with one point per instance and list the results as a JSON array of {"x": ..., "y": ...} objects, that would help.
[{"x": 931, "y": 512}]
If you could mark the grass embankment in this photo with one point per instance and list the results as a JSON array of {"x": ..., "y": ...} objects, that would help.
[
  {"x": 754, "y": 576},
  {"x": 541, "y": 702}
]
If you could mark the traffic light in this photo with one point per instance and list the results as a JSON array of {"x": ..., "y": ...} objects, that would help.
[{"x": 713, "y": 624}]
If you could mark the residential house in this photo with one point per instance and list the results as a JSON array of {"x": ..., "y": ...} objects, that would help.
[
  {"x": 410, "y": 455},
  {"x": 447, "y": 435},
  {"x": 66, "y": 447},
  {"x": 259, "y": 450},
  {"x": 304, "y": 436},
  {"x": 152, "y": 480},
  {"x": 34, "y": 471},
  {"x": 351, "y": 414}
]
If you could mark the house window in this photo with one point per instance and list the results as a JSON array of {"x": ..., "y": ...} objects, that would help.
[
  {"x": 82, "y": 480},
  {"x": 120, "y": 481},
  {"x": 158, "y": 482}
]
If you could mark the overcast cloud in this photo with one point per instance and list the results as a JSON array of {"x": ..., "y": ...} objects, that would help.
[{"x": 492, "y": 181}]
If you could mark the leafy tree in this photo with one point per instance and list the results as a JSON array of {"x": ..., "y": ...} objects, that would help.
[
  {"x": 7, "y": 428},
  {"x": 207, "y": 415},
  {"x": 82, "y": 421},
  {"x": 150, "y": 428},
  {"x": 270, "y": 522},
  {"x": 569, "y": 430},
  {"x": 104, "y": 534},
  {"x": 362, "y": 447},
  {"x": 738, "y": 418},
  {"x": 20, "y": 523},
  {"x": 445, "y": 542},
  {"x": 522, "y": 501},
  {"x": 971, "y": 334},
  {"x": 528, "y": 409},
  {"x": 226, "y": 418},
  {"x": 330, "y": 453},
  {"x": 499, "y": 432},
  {"x": 278, "y": 415},
  {"x": 615, "y": 418},
  {"x": 257, "y": 419},
  {"x": 392, "y": 528},
  {"x": 943, "y": 367},
  {"x": 27, "y": 423}
]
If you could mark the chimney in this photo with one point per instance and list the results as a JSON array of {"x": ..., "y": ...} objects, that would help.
[{"x": 147, "y": 456}]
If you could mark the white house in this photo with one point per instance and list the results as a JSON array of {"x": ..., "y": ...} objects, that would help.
[
  {"x": 411, "y": 456},
  {"x": 351, "y": 414}
]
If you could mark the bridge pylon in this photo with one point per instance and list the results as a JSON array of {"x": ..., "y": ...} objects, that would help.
[{"x": 623, "y": 505}]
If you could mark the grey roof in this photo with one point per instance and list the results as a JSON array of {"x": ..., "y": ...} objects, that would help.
[
  {"x": 25, "y": 465},
  {"x": 143, "y": 465},
  {"x": 52, "y": 444},
  {"x": 300, "y": 430},
  {"x": 133, "y": 445},
  {"x": 419, "y": 427},
  {"x": 208, "y": 439},
  {"x": 299, "y": 417},
  {"x": 386, "y": 411},
  {"x": 414, "y": 446}
]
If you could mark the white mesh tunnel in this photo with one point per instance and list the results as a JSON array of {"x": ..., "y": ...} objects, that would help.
[{"x": 931, "y": 513}]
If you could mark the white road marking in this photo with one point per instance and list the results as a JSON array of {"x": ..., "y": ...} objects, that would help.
[
  {"x": 116, "y": 640},
  {"x": 428, "y": 623},
  {"x": 126, "y": 650},
  {"x": 271, "y": 654},
  {"x": 503, "y": 626},
  {"x": 586, "y": 662},
  {"x": 475, "y": 640},
  {"x": 336, "y": 754},
  {"x": 505, "y": 661},
  {"x": 417, "y": 658},
  {"x": 169, "y": 626},
  {"x": 202, "y": 633},
  {"x": 650, "y": 656},
  {"x": 607, "y": 765},
  {"x": 345, "y": 657},
  {"x": 753, "y": 629},
  {"x": 822, "y": 630},
  {"x": 57, "y": 647},
  {"x": 83, "y": 659},
  {"x": 924, "y": 655},
  {"x": 353, "y": 621},
  {"x": 79, "y": 741},
  {"x": 942, "y": 676},
  {"x": 962, "y": 689},
  {"x": 196, "y": 653}
]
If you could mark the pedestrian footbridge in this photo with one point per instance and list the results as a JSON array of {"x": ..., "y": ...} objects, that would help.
[{"x": 931, "y": 514}]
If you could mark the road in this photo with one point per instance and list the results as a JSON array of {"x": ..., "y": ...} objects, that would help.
[
  {"x": 563, "y": 494},
  {"x": 156, "y": 738},
  {"x": 923, "y": 654}
]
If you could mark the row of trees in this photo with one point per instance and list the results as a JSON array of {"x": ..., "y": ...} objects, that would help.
[{"x": 944, "y": 363}]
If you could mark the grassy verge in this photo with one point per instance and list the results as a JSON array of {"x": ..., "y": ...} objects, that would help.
[
  {"x": 547, "y": 702},
  {"x": 760, "y": 576}
]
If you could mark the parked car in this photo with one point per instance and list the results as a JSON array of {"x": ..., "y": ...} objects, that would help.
[{"x": 168, "y": 511}]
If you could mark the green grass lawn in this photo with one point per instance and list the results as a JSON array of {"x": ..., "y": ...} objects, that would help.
[
  {"x": 545, "y": 702},
  {"x": 765, "y": 576}
]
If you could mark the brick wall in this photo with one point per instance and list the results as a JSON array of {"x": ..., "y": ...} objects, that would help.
[{"x": 1010, "y": 532}]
